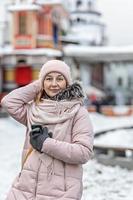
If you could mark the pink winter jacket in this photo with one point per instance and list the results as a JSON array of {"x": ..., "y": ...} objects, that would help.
[{"x": 57, "y": 172}]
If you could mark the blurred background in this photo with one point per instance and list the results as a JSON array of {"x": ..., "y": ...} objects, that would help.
[{"x": 95, "y": 38}]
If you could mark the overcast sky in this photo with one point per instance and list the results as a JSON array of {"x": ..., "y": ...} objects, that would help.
[{"x": 118, "y": 16}]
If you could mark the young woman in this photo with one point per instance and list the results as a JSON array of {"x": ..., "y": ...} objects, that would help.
[{"x": 59, "y": 136}]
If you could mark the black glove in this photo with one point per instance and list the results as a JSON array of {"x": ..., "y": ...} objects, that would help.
[{"x": 38, "y": 135}]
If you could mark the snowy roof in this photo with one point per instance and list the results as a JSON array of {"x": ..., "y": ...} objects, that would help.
[
  {"x": 78, "y": 35},
  {"x": 87, "y": 11},
  {"x": 43, "y": 2},
  {"x": 88, "y": 53},
  {"x": 100, "y": 53},
  {"x": 37, "y": 51},
  {"x": 19, "y": 7}
]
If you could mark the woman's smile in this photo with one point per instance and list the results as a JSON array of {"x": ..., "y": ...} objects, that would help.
[{"x": 55, "y": 91}]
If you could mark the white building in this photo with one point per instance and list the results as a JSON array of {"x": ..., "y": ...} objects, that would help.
[
  {"x": 4, "y": 23},
  {"x": 86, "y": 26}
]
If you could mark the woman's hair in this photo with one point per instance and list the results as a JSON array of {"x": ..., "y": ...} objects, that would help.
[{"x": 39, "y": 96}]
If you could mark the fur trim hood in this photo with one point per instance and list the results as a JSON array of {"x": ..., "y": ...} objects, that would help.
[{"x": 74, "y": 91}]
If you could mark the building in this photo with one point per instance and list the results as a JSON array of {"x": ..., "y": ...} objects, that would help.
[
  {"x": 86, "y": 30},
  {"x": 4, "y": 23},
  {"x": 1, "y": 75},
  {"x": 35, "y": 37},
  {"x": 37, "y": 24},
  {"x": 116, "y": 64},
  {"x": 37, "y": 30},
  {"x": 86, "y": 26}
]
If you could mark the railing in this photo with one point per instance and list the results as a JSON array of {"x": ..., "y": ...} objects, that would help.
[
  {"x": 110, "y": 155},
  {"x": 113, "y": 110}
]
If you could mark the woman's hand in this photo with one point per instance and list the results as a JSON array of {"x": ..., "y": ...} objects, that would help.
[{"x": 38, "y": 135}]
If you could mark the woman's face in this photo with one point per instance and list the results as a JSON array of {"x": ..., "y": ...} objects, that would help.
[{"x": 54, "y": 82}]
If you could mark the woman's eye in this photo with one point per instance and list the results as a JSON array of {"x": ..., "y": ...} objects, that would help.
[
  {"x": 57, "y": 79},
  {"x": 60, "y": 79},
  {"x": 48, "y": 79}
]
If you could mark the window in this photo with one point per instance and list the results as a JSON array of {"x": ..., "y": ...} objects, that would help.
[
  {"x": 22, "y": 23},
  {"x": 78, "y": 19},
  {"x": 130, "y": 82},
  {"x": 78, "y": 3},
  {"x": 120, "y": 81}
]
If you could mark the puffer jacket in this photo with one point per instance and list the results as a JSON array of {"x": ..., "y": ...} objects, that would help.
[{"x": 57, "y": 172}]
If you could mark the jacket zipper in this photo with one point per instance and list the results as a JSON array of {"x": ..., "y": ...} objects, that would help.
[{"x": 37, "y": 178}]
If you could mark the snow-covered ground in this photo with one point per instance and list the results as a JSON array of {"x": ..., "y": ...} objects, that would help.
[
  {"x": 100, "y": 182},
  {"x": 120, "y": 138},
  {"x": 11, "y": 143},
  {"x": 107, "y": 183},
  {"x": 102, "y": 123}
]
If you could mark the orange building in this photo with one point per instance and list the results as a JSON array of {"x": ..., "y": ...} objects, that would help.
[
  {"x": 35, "y": 38},
  {"x": 37, "y": 26}
]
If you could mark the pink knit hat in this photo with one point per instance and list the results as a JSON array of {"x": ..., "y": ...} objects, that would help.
[{"x": 56, "y": 66}]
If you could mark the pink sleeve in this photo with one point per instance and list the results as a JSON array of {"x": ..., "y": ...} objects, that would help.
[
  {"x": 16, "y": 101},
  {"x": 81, "y": 148}
]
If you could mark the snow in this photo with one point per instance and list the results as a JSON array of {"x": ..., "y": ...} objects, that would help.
[
  {"x": 45, "y": 2},
  {"x": 18, "y": 7},
  {"x": 11, "y": 141},
  {"x": 37, "y": 51},
  {"x": 121, "y": 109},
  {"x": 102, "y": 123},
  {"x": 120, "y": 138},
  {"x": 100, "y": 53},
  {"x": 100, "y": 49},
  {"x": 100, "y": 182},
  {"x": 107, "y": 183}
]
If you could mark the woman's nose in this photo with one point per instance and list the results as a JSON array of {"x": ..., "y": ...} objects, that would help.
[{"x": 54, "y": 82}]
